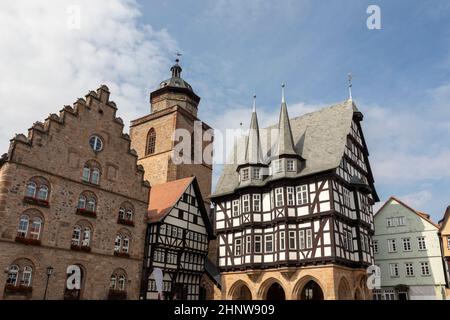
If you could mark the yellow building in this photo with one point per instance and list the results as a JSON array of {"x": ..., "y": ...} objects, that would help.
[{"x": 444, "y": 233}]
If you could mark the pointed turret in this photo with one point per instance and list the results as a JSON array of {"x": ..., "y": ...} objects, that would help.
[
  {"x": 253, "y": 154},
  {"x": 285, "y": 143}
]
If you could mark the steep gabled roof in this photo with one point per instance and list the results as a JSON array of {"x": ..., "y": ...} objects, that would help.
[
  {"x": 422, "y": 215},
  {"x": 164, "y": 197},
  {"x": 319, "y": 138}
]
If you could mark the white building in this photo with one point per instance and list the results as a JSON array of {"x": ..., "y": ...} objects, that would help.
[{"x": 407, "y": 250}]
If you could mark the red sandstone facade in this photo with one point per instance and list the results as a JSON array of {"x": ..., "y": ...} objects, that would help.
[{"x": 68, "y": 199}]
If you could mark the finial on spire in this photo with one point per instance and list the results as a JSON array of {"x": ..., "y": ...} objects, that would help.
[
  {"x": 350, "y": 77},
  {"x": 283, "y": 100},
  {"x": 176, "y": 69},
  {"x": 254, "y": 103}
]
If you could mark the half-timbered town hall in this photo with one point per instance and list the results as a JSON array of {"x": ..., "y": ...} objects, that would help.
[{"x": 294, "y": 213}]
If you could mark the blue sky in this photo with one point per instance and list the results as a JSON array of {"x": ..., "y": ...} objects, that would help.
[
  {"x": 233, "y": 49},
  {"x": 401, "y": 74}
]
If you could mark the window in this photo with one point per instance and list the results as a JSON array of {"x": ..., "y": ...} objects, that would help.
[
  {"x": 375, "y": 246},
  {"x": 22, "y": 230},
  {"x": 425, "y": 269},
  {"x": 290, "y": 165},
  {"x": 122, "y": 245},
  {"x": 393, "y": 268},
  {"x": 76, "y": 236},
  {"x": 26, "y": 276},
  {"x": 180, "y": 214},
  {"x": 246, "y": 203},
  {"x": 195, "y": 219},
  {"x": 350, "y": 242},
  {"x": 448, "y": 243},
  {"x": 125, "y": 244},
  {"x": 244, "y": 174},
  {"x": 258, "y": 244},
  {"x": 389, "y": 222},
  {"x": 282, "y": 240},
  {"x": 13, "y": 274},
  {"x": 237, "y": 247},
  {"x": 95, "y": 176},
  {"x": 31, "y": 190},
  {"x": 151, "y": 142},
  {"x": 96, "y": 143},
  {"x": 235, "y": 208},
  {"x": 256, "y": 173},
  {"x": 256, "y": 202},
  {"x": 90, "y": 205},
  {"x": 118, "y": 243},
  {"x": 121, "y": 283},
  {"x": 302, "y": 194},
  {"x": 248, "y": 244},
  {"x": 308, "y": 238},
  {"x": 344, "y": 240},
  {"x": 35, "y": 228},
  {"x": 278, "y": 166},
  {"x": 395, "y": 221},
  {"x": 86, "y": 237},
  {"x": 409, "y": 269},
  {"x": 346, "y": 196},
  {"x": 86, "y": 174},
  {"x": 292, "y": 240},
  {"x": 87, "y": 202},
  {"x": 392, "y": 246},
  {"x": 43, "y": 192},
  {"x": 290, "y": 196},
  {"x": 113, "y": 282},
  {"x": 268, "y": 243},
  {"x": 302, "y": 239},
  {"x": 406, "y": 244},
  {"x": 401, "y": 221},
  {"x": 279, "y": 198},
  {"x": 421, "y": 242}
]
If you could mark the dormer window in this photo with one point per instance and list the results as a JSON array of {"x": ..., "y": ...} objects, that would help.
[
  {"x": 290, "y": 165},
  {"x": 278, "y": 166},
  {"x": 244, "y": 174},
  {"x": 256, "y": 173}
]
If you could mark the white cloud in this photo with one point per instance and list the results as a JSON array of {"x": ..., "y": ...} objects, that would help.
[
  {"x": 417, "y": 200},
  {"x": 45, "y": 64}
]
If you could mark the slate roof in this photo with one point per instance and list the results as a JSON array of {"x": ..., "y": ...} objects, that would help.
[{"x": 319, "y": 138}]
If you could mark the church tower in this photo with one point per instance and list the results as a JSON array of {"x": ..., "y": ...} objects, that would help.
[{"x": 174, "y": 107}]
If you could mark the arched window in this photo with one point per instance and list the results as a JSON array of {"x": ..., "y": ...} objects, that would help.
[
  {"x": 31, "y": 190},
  {"x": 37, "y": 191},
  {"x": 117, "y": 285},
  {"x": 19, "y": 277},
  {"x": 151, "y": 142},
  {"x": 22, "y": 230},
  {"x": 13, "y": 274},
  {"x": 81, "y": 236},
  {"x": 122, "y": 244},
  {"x": 91, "y": 172},
  {"x": 87, "y": 204},
  {"x": 126, "y": 213},
  {"x": 43, "y": 192}
]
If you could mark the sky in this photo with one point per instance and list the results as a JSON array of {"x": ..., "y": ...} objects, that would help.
[{"x": 55, "y": 51}]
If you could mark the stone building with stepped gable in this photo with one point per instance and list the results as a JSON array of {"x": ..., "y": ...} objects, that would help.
[{"x": 72, "y": 193}]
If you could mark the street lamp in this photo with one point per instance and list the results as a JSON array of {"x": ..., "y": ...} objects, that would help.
[{"x": 49, "y": 273}]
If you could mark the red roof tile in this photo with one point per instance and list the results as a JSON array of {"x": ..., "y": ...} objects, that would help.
[{"x": 164, "y": 196}]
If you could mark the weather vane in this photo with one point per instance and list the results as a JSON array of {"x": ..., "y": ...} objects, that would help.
[
  {"x": 178, "y": 56},
  {"x": 350, "y": 85}
]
